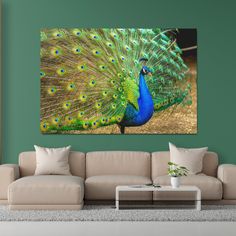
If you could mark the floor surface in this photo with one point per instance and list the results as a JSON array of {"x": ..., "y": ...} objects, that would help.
[{"x": 117, "y": 228}]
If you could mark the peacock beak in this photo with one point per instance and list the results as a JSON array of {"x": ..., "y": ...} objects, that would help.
[{"x": 149, "y": 73}]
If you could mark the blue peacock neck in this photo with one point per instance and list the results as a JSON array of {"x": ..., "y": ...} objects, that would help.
[
  {"x": 146, "y": 107},
  {"x": 139, "y": 117}
]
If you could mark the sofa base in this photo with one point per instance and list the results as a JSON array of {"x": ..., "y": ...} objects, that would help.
[
  {"x": 46, "y": 207},
  {"x": 3, "y": 202},
  {"x": 204, "y": 202}
]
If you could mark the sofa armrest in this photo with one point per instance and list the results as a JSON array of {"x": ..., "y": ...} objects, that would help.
[
  {"x": 227, "y": 175},
  {"x": 8, "y": 174}
]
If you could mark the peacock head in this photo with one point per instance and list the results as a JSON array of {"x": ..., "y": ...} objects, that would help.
[{"x": 145, "y": 70}]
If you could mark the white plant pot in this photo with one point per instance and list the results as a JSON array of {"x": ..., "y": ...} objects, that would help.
[{"x": 175, "y": 182}]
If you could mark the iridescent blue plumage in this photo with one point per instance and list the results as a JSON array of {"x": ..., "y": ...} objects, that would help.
[{"x": 134, "y": 117}]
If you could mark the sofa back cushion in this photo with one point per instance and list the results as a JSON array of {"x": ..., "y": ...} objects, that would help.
[
  {"x": 27, "y": 163},
  {"x": 160, "y": 163},
  {"x": 118, "y": 163}
]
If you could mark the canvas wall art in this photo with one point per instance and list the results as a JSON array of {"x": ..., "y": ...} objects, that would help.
[{"x": 118, "y": 81}]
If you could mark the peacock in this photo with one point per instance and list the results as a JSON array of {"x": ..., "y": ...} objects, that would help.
[{"x": 98, "y": 77}]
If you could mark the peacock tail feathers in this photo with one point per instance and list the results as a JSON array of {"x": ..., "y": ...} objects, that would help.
[{"x": 90, "y": 76}]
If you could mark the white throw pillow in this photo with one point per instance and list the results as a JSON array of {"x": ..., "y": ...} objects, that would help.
[
  {"x": 190, "y": 158},
  {"x": 52, "y": 161}
]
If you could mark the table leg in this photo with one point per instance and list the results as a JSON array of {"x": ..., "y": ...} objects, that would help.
[
  {"x": 198, "y": 200},
  {"x": 117, "y": 199}
]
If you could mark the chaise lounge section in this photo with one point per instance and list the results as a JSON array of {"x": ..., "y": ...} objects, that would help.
[{"x": 48, "y": 191}]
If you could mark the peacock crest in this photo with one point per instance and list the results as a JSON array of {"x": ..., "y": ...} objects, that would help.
[{"x": 98, "y": 77}]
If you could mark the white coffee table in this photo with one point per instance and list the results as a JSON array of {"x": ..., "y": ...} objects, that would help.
[{"x": 144, "y": 188}]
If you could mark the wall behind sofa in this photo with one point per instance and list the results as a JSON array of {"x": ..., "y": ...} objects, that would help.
[{"x": 215, "y": 21}]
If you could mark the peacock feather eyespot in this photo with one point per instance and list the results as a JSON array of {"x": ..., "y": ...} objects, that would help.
[
  {"x": 102, "y": 67},
  {"x": 134, "y": 42},
  {"x": 66, "y": 105},
  {"x": 115, "y": 96},
  {"x": 118, "y": 118},
  {"x": 98, "y": 105},
  {"x": 77, "y": 32},
  {"x": 114, "y": 35},
  {"x": 122, "y": 58},
  {"x": 94, "y": 124},
  {"x": 123, "y": 103},
  {"x": 56, "y": 52},
  {"x": 85, "y": 125},
  {"x": 112, "y": 60},
  {"x": 103, "y": 120},
  {"x": 80, "y": 114},
  {"x": 83, "y": 97},
  {"x": 42, "y": 74},
  {"x": 71, "y": 87},
  {"x": 96, "y": 52},
  {"x": 109, "y": 44},
  {"x": 113, "y": 106},
  {"x": 104, "y": 93},
  {"x": 76, "y": 50},
  {"x": 82, "y": 67},
  {"x": 94, "y": 36},
  {"x": 92, "y": 83},
  {"x": 61, "y": 71},
  {"x": 52, "y": 91},
  {"x": 44, "y": 126},
  {"x": 113, "y": 81},
  {"x": 119, "y": 75}
]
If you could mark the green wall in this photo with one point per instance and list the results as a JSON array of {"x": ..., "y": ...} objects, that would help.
[{"x": 215, "y": 21}]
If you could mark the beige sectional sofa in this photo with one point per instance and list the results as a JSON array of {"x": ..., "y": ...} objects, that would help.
[{"x": 95, "y": 176}]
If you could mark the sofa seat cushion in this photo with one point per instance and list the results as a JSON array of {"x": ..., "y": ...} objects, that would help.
[
  {"x": 102, "y": 187},
  {"x": 211, "y": 187},
  {"x": 46, "y": 189}
]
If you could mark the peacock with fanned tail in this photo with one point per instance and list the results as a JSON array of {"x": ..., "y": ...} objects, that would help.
[{"x": 98, "y": 77}]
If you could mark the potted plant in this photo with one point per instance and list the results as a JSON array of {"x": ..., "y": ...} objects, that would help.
[{"x": 175, "y": 172}]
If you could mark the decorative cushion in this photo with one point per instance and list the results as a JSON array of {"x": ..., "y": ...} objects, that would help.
[
  {"x": 190, "y": 158},
  {"x": 52, "y": 161}
]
